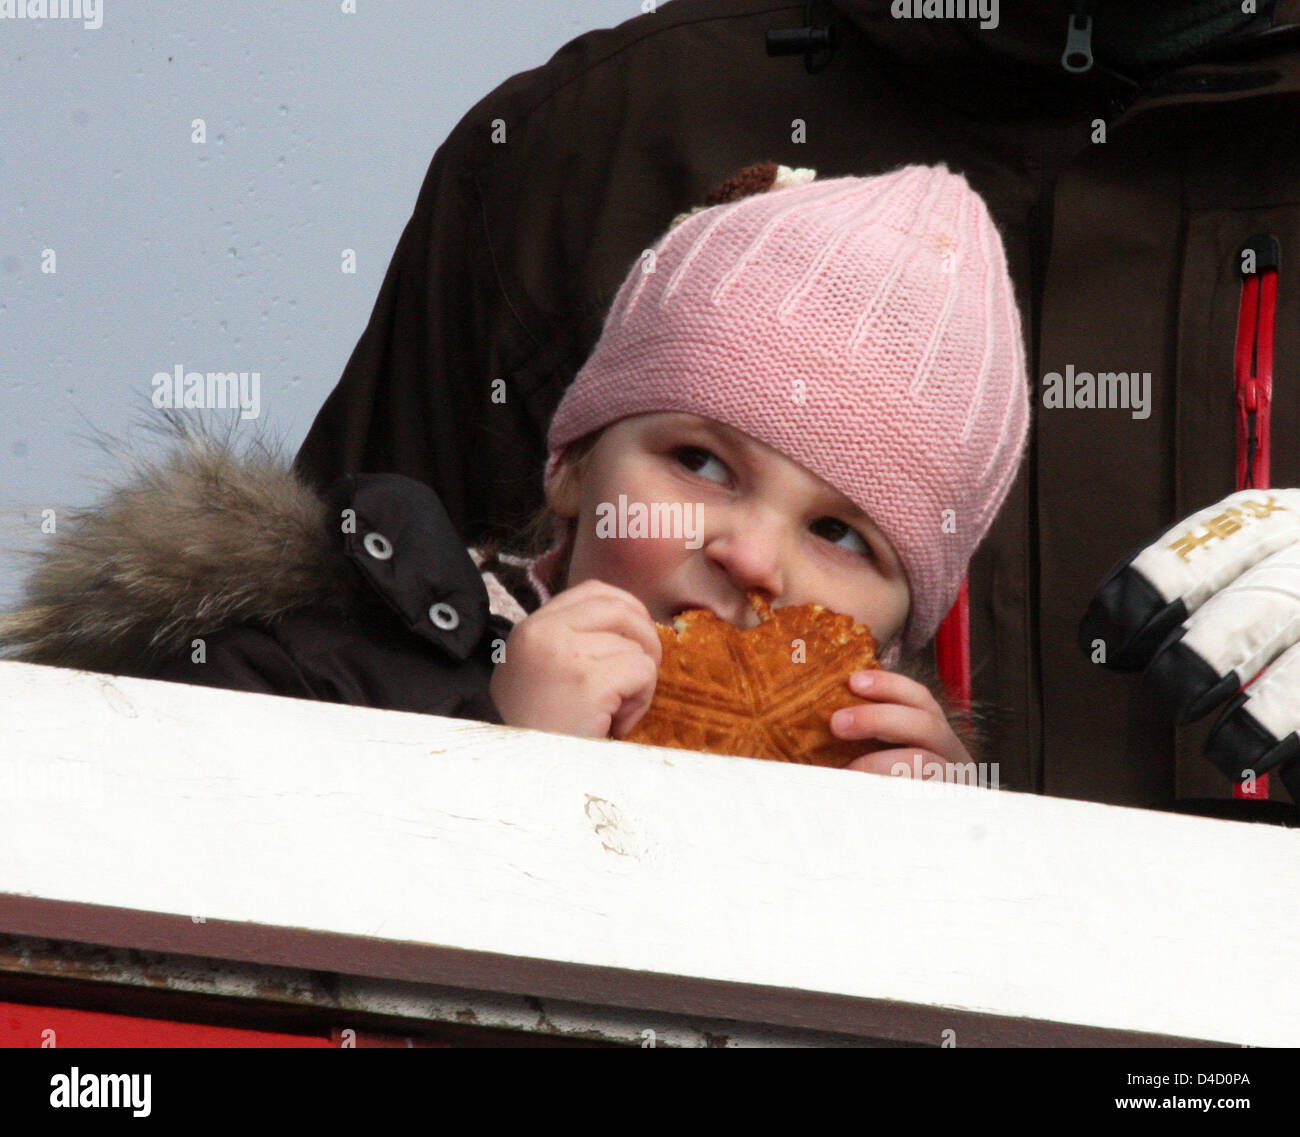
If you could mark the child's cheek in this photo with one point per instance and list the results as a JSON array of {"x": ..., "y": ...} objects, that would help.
[
  {"x": 640, "y": 565},
  {"x": 644, "y": 566}
]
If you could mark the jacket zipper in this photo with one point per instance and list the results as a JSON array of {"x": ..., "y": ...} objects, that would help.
[
  {"x": 1258, "y": 260},
  {"x": 952, "y": 641},
  {"x": 1077, "y": 55}
]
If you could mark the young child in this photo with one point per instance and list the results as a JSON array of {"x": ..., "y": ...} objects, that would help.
[
  {"x": 831, "y": 374},
  {"x": 828, "y": 379}
]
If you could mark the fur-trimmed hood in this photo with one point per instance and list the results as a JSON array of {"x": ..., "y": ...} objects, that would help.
[{"x": 188, "y": 543}]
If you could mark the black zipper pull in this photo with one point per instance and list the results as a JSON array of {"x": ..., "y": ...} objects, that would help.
[
  {"x": 1077, "y": 56},
  {"x": 816, "y": 44}
]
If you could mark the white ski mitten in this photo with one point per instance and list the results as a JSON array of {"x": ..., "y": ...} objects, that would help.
[{"x": 1207, "y": 607}]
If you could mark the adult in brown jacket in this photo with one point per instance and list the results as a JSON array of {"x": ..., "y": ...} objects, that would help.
[{"x": 1124, "y": 192}]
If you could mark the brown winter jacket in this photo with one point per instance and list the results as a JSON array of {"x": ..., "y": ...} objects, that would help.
[{"x": 1122, "y": 200}]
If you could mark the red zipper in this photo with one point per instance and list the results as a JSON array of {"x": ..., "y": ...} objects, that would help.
[{"x": 1258, "y": 261}]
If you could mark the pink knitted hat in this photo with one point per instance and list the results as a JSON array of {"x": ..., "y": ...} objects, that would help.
[{"x": 865, "y": 328}]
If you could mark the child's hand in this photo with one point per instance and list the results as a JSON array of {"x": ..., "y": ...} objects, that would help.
[
  {"x": 585, "y": 663},
  {"x": 903, "y": 712}
]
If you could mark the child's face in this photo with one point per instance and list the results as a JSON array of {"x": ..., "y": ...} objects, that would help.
[{"x": 750, "y": 518}]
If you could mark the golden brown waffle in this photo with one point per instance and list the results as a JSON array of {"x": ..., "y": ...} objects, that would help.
[{"x": 754, "y": 692}]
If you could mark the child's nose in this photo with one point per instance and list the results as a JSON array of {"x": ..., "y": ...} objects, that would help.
[{"x": 751, "y": 557}]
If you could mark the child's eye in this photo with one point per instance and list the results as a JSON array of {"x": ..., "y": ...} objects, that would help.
[
  {"x": 694, "y": 458},
  {"x": 835, "y": 530}
]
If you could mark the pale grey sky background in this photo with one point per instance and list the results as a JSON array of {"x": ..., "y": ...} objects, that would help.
[{"x": 224, "y": 256}]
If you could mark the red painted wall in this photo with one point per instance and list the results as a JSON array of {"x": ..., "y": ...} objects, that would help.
[{"x": 22, "y": 1025}]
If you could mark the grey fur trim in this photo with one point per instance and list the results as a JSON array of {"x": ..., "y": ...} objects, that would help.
[{"x": 203, "y": 537}]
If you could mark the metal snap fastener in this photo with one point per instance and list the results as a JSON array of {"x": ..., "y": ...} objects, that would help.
[
  {"x": 378, "y": 546},
  {"x": 444, "y": 616}
]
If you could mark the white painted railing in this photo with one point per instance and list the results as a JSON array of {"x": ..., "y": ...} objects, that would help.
[{"x": 636, "y": 888}]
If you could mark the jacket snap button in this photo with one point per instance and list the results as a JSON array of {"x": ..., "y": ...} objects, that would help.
[
  {"x": 444, "y": 616},
  {"x": 378, "y": 546}
]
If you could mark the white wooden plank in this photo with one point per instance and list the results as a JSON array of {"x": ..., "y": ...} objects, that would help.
[{"x": 401, "y": 846}]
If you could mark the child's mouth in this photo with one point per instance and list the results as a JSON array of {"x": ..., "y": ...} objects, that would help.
[
  {"x": 688, "y": 606},
  {"x": 740, "y": 620}
]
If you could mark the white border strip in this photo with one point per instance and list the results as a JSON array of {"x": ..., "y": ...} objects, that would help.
[{"x": 280, "y": 831}]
